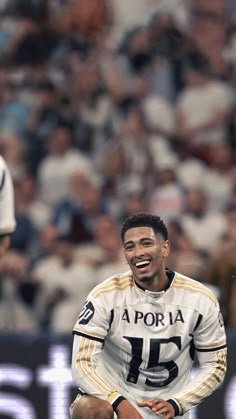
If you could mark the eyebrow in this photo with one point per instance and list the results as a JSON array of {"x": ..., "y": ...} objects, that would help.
[{"x": 140, "y": 240}]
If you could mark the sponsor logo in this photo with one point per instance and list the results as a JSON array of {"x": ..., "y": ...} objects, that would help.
[{"x": 87, "y": 313}]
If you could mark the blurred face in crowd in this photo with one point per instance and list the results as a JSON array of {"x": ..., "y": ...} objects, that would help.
[
  {"x": 91, "y": 200},
  {"x": 64, "y": 249},
  {"x": 60, "y": 141},
  {"x": 103, "y": 227},
  {"x": 196, "y": 201},
  {"x": 221, "y": 156},
  {"x": 134, "y": 204},
  {"x": 78, "y": 183},
  {"x": 135, "y": 124},
  {"x": 114, "y": 164}
]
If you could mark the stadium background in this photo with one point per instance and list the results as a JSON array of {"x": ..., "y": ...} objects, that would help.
[{"x": 31, "y": 387}]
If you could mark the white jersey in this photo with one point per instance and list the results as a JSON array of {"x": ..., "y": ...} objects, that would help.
[
  {"x": 140, "y": 345},
  {"x": 7, "y": 210}
]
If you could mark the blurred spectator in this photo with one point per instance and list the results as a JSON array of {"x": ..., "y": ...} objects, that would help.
[
  {"x": 170, "y": 44},
  {"x": 75, "y": 216},
  {"x": 9, "y": 31},
  {"x": 184, "y": 256},
  {"x": 203, "y": 226},
  {"x": 114, "y": 258},
  {"x": 90, "y": 105},
  {"x": 208, "y": 31},
  {"x": 35, "y": 45},
  {"x": 128, "y": 15},
  {"x": 94, "y": 253},
  {"x": 17, "y": 295},
  {"x": 14, "y": 153},
  {"x": 115, "y": 176},
  {"x": 134, "y": 203},
  {"x": 63, "y": 287},
  {"x": 221, "y": 268},
  {"x": 105, "y": 252},
  {"x": 134, "y": 141},
  {"x": 143, "y": 68},
  {"x": 25, "y": 234},
  {"x": 233, "y": 180},
  {"x": 203, "y": 106},
  {"x": 30, "y": 8},
  {"x": 46, "y": 114},
  {"x": 230, "y": 46},
  {"x": 160, "y": 115},
  {"x": 190, "y": 168},
  {"x": 137, "y": 51},
  {"x": 217, "y": 183},
  {"x": 43, "y": 247},
  {"x": 89, "y": 18},
  {"x": 56, "y": 167},
  {"x": 167, "y": 198},
  {"x": 13, "y": 112},
  {"x": 28, "y": 202}
]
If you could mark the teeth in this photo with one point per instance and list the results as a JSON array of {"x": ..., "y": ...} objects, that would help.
[{"x": 143, "y": 263}]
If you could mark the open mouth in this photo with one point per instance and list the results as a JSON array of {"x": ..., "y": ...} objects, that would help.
[{"x": 142, "y": 264}]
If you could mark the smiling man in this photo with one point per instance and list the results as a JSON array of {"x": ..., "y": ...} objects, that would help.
[{"x": 136, "y": 337}]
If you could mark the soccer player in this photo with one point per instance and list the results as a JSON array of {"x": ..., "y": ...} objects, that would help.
[
  {"x": 7, "y": 208},
  {"x": 135, "y": 339}
]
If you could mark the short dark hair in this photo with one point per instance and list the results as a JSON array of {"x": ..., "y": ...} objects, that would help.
[{"x": 142, "y": 220}]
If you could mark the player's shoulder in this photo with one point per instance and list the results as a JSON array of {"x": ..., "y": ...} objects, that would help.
[
  {"x": 116, "y": 283},
  {"x": 190, "y": 286},
  {"x": 3, "y": 164},
  {"x": 4, "y": 170}
]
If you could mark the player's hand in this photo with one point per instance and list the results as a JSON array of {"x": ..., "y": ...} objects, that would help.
[
  {"x": 159, "y": 407},
  {"x": 4, "y": 245},
  {"x": 125, "y": 410}
]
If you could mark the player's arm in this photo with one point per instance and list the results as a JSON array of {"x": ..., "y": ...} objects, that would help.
[
  {"x": 4, "y": 244},
  {"x": 211, "y": 373},
  {"x": 86, "y": 350},
  {"x": 7, "y": 209},
  {"x": 211, "y": 351},
  {"x": 84, "y": 360},
  {"x": 89, "y": 336}
]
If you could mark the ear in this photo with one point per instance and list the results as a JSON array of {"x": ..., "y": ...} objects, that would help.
[{"x": 165, "y": 248}]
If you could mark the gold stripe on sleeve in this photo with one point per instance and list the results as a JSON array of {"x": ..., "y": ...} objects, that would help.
[
  {"x": 204, "y": 389},
  {"x": 113, "y": 285},
  {"x": 194, "y": 287},
  {"x": 84, "y": 364}
]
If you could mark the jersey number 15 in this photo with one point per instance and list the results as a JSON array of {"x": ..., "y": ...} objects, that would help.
[{"x": 153, "y": 365}]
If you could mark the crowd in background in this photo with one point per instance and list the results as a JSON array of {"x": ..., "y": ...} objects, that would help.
[{"x": 108, "y": 108}]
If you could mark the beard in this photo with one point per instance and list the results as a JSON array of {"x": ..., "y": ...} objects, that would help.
[{"x": 144, "y": 278}]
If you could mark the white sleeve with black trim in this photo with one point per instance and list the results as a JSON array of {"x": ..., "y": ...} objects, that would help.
[
  {"x": 211, "y": 351},
  {"x": 7, "y": 209},
  {"x": 84, "y": 359}
]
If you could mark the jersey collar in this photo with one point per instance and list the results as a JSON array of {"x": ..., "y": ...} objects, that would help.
[{"x": 170, "y": 275}]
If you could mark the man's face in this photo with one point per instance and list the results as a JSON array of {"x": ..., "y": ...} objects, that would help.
[{"x": 145, "y": 252}]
